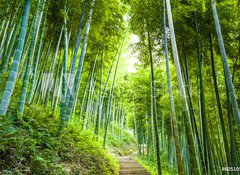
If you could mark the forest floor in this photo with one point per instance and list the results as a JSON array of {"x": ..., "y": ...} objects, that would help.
[{"x": 128, "y": 166}]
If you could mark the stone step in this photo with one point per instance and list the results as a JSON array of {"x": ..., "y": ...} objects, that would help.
[
  {"x": 129, "y": 166},
  {"x": 127, "y": 160},
  {"x": 133, "y": 172},
  {"x": 129, "y": 163}
]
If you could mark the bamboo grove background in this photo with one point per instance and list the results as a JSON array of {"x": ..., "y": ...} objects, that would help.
[{"x": 181, "y": 103}]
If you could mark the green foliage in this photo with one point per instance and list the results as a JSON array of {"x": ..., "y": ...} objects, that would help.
[
  {"x": 87, "y": 155},
  {"x": 30, "y": 146},
  {"x": 151, "y": 166},
  {"x": 121, "y": 146}
]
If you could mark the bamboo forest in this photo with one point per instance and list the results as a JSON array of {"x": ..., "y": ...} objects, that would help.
[{"x": 119, "y": 87}]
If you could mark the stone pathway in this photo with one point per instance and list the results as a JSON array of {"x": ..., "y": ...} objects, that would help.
[{"x": 129, "y": 166}]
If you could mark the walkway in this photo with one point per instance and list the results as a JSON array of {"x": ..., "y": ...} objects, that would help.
[{"x": 129, "y": 166}]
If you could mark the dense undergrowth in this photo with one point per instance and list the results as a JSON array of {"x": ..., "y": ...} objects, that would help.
[
  {"x": 149, "y": 163},
  {"x": 123, "y": 145},
  {"x": 30, "y": 145}
]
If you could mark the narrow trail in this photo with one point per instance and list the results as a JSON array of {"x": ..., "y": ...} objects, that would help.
[{"x": 129, "y": 166}]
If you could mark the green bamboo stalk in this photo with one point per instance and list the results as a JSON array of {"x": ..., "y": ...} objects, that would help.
[
  {"x": 4, "y": 37},
  {"x": 7, "y": 42},
  {"x": 113, "y": 114},
  {"x": 73, "y": 63},
  {"x": 59, "y": 87},
  {"x": 50, "y": 76},
  {"x": 155, "y": 118},
  {"x": 104, "y": 92},
  {"x": 162, "y": 130},
  {"x": 27, "y": 40},
  {"x": 226, "y": 67},
  {"x": 96, "y": 131},
  {"x": 89, "y": 104},
  {"x": 224, "y": 133},
  {"x": 205, "y": 133},
  {"x": 112, "y": 94},
  {"x": 191, "y": 107},
  {"x": 236, "y": 60},
  {"x": 195, "y": 167},
  {"x": 233, "y": 149},
  {"x": 42, "y": 71},
  {"x": 64, "y": 74},
  {"x": 9, "y": 32},
  {"x": 135, "y": 123},
  {"x": 118, "y": 119},
  {"x": 37, "y": 23},
  {"x": 38, "y": 54},
  {"x": 148, "y": 133},
  {"x": 2, "y": 27},
  {"x": 76, "y": 84},
  {"x": 90, "y": 93},
  {"x": 95, "y": 108},
  {"x": 171, "y": 98},
  {"x": 84, "y": 97},
  {"x": 55, "y": 86},
  {"x": 15, "y": 65},
  {"x": 23, "y": 63},
  {"x": 9, "y": 52}
]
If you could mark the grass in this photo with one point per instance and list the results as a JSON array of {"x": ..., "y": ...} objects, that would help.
[
  {"x": 29, "y": 145},
  {"x": 150, "y": 165}
]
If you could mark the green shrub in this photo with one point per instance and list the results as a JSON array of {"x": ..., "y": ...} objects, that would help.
[
  {"x": 122, "y": 146},
  {"x": 151, "y": 166},
  {"x": 29, "y": 145}
]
